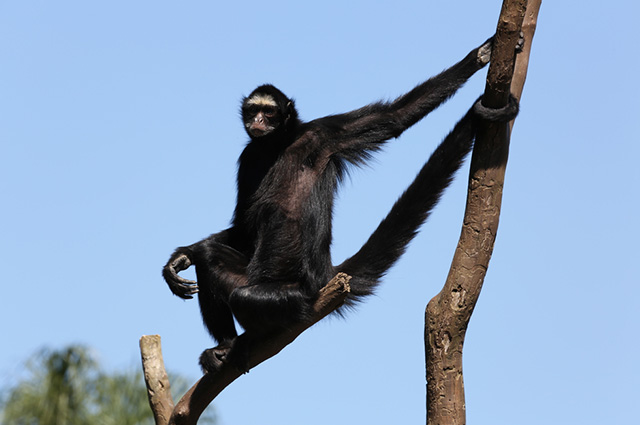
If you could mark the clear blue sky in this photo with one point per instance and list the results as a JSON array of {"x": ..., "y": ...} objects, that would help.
[{"x": 119, "y": 134}]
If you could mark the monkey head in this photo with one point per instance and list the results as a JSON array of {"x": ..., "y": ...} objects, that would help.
[{"x": 268, "y": 112}]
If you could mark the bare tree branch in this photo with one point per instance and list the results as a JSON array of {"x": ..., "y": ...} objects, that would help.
[
  {"x": 155, "y": 376},
  {"x": 522, "y": 60},
  {"x": 193, "y": 403},
  {"x": 447, "y": 314}
]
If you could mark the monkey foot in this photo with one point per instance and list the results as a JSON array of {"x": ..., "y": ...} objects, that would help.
[{"x": 212, "y": 359}]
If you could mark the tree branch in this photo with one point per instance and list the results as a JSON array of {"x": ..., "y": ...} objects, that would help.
[
  {"x": 155, "y": 376},
  {"x": 193, "y": 403},
  {"x": 447, "y": 314}
]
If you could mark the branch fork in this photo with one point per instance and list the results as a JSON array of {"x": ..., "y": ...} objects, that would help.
[{"x": 190, "y": 407}]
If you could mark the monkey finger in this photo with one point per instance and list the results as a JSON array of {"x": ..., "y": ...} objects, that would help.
[
  {"x": 184, "y": 292},
  {"x": 521, "y": 42},
  {"x": 182, "y": 281},
  {"x": 170, "y": 274},
  {"x": 187, "y": 287},
  {"x": 180, "y": 287},
  {"x": 182, "y": 262}
]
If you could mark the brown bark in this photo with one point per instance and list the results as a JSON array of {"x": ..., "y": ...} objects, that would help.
[
  {"x": 190, "y": 407},
  {"x": 155, "y": 376},
  {"x": 447, "y": 314}
]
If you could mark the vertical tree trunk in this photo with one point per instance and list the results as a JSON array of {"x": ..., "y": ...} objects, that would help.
[{"x": 448, "y": 313}]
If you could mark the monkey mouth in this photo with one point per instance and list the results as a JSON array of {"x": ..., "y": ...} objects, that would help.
[{"x": 258, "y": 130}]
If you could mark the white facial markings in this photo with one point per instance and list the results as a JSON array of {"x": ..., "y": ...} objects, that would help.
[{"x": 262, "y": 100}]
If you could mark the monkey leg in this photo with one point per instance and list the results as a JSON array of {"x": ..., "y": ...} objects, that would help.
[
  {"x": 261, "y": 309},
  {"x": 216, "y": 285},
  {"x": 219, "y": 270},
  {"x": 265, "y": 307}
]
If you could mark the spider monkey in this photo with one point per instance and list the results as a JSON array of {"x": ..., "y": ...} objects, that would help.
[{"x": 267, "y": 268}]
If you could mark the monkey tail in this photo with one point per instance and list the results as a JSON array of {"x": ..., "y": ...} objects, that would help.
[{"x": 389, "y": 241}]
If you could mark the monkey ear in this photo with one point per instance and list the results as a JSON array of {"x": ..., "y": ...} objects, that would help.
[{"x": 289, "y": 111}]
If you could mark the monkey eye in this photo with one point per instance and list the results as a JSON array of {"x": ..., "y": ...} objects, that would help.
[
  {"x": 270, "y": 111},
  {"x": 252, "y": 110}
]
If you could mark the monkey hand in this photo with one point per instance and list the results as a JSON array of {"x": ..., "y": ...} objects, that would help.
[
  {"x": 484, "y": 52},
  {"x": 183, "y": 288}
]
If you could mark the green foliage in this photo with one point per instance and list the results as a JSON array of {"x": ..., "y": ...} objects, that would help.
[
  {"x": 67, "y": 387},
  {"x": 56, "y": 392}
]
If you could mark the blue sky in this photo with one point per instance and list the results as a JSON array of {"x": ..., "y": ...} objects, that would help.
[{"x": 119, "y": 133}]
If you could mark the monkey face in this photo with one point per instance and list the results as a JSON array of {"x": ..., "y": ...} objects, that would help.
[
  {"x": 267, "y": 112},
  {"x": 261, "y": 120},
  {"x": 261, "y": 114}
]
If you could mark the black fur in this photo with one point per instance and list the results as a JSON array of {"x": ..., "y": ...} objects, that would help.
[{"x": 267, "y": 268}]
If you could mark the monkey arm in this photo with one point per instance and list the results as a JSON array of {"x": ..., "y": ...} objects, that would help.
[
  {"x": 186, "y": 256},
  {"x": 367, "y": 128}
]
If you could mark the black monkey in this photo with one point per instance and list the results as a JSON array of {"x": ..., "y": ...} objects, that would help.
[{"x": 267, "y": 268}]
